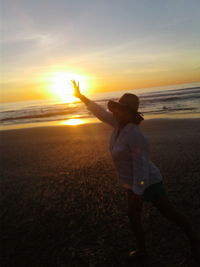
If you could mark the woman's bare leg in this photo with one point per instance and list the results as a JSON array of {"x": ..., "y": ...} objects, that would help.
[
  {"x": 134, "y": 214},
  {"x": 168, "y": 210}
]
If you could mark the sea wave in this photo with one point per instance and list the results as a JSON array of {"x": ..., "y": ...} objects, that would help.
[{"x": 183, "y": 100}]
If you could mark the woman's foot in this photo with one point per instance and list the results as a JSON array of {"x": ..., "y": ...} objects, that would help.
[
  {"x": 195, "y": 249},
  {"x": 137, "y": 256}
]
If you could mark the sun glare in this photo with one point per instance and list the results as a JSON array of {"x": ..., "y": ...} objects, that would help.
[
  {"x": 73, "y": 122},
  {"x": 62, "y": 88}
]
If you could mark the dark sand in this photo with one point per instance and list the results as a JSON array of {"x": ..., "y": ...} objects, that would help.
[{"x": 61, "y": 205}]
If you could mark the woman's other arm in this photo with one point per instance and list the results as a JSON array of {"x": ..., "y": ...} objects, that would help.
[
  {"x": 140, "y": 164},
  {"x": 96, "y": 109}
]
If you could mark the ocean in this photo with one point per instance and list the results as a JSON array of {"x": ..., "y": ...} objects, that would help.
[{"x": 178, "y": 101}]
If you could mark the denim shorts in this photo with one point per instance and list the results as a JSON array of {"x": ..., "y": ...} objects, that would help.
[{"x": 154, "y": 191}]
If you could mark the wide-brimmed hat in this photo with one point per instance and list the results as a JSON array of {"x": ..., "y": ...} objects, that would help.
[{"x": 127, "y": 101}]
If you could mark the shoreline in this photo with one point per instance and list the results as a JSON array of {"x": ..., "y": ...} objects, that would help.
[{"x": 92, "y": 120}]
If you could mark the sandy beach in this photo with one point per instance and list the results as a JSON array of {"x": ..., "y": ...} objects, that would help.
[{"x": 62, "y": 206}]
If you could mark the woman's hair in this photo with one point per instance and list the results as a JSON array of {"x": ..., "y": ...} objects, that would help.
[
  {"x": 132, "y": 102},
  {"x": 137, "y": 118}
]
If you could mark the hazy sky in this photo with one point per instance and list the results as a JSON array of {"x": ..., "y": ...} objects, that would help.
[{"x": 118, "y": 44}]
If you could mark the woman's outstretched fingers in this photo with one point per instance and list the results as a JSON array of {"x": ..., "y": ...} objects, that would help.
[{"x": 77, "y": 92}]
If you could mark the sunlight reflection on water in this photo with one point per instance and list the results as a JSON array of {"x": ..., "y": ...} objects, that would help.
[{"x": 73, "y": 122}]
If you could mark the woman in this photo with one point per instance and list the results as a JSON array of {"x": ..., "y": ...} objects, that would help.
[{"x": 137, "y": 174}]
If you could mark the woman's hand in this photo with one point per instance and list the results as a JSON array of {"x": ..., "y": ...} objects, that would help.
[{"x": 77, "y": 92}]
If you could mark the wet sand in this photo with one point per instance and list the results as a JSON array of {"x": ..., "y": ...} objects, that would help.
[{"x": 61, "y": 205}]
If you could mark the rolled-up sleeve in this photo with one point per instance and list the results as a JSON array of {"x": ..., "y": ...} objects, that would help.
[
  {"x": 101, "y": 113},
  {"x": 140, "y": 165}
]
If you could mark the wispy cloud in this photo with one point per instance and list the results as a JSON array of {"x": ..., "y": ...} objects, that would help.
[{"x": 99, "y": 36}]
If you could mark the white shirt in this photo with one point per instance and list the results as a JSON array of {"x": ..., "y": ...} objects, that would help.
[{"x": 130, "y": 153}]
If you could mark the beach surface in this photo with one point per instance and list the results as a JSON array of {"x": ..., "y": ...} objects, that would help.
[{"x": 61, "y": 204}]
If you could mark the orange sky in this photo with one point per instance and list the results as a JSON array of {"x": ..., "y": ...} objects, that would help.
[
  {"x": 29, "y": 90},
  {"x": 114, "y": 46}
]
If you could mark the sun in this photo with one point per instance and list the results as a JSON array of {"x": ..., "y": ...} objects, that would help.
[{"x": 62, "y": 88}]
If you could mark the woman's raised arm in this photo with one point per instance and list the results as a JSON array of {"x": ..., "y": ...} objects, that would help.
[{"x": 101, "y": 113}]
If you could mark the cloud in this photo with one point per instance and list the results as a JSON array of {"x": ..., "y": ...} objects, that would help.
[{"x": 101, "y": 37}]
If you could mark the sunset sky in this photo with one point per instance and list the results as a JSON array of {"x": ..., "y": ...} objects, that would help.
[{"x": 109, "y": 44}]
